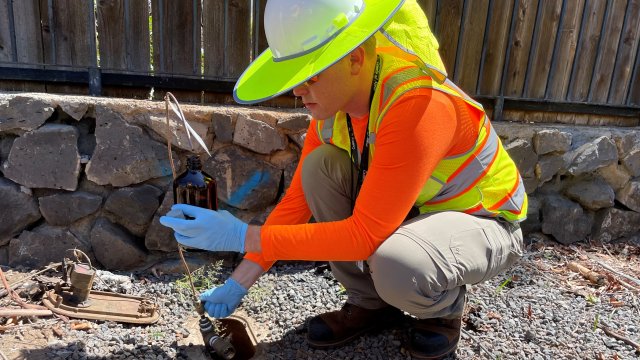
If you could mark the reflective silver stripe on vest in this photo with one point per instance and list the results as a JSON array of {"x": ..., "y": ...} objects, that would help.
[
  {"x": 516, "y": 200},
  {"x": 463, "y": 180},
  {"x": 397, "y": 79},
  {"x": 372, "y": 138},
  {"x": 464, "y": 95},
  {"x": 327, "y": 130}
]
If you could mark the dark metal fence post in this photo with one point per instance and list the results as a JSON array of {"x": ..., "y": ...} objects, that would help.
[{"x": 95, "y": 81}]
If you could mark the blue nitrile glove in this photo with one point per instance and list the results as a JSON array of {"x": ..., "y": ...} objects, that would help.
[
  {"x": 208, "y": 230},
  {"x": 222, "y": 301}
]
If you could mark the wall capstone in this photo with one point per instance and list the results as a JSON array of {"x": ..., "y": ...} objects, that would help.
[
  {"x": 20, "y": 114},
  {"x": 592, "y": 156},
  {"x": 258, "y": 136},
  {"x": 124, "y": 155},
  {"x": 546, "y": 141}
]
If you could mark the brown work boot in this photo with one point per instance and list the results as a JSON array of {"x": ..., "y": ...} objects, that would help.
[
  {"x": 340, "y": 327},
  {"x": 434, "y": 338}
]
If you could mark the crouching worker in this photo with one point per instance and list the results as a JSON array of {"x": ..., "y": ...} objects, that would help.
[{"x": 413, "y": 194}]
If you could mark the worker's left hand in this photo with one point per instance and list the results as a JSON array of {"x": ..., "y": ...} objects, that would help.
[
  {"x": 207, "y": 229},
  {"x": 222, "y": 301}
]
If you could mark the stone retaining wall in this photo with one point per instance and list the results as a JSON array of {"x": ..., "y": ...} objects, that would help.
[{"x": 95, "y": 174}]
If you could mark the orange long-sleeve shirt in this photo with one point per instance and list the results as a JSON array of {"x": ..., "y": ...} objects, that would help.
[{"x": 419, "y": 130}]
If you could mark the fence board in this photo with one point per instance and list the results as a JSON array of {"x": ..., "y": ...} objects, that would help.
[
  {"x": 213, "y": 32},
  {"x": 605, "y": 60},
  {"x": 28, "y": 41},
  {"x": 565, "y": 50},
  {"x": 176, "y": 42},
  {"x": 227, "y": 32},
  {"x": 583, "y": 66},
  {"x": 123, "y": 34},
  {"x": 71, "y": 43},
  {"x": 448, "y": 30},
  {"x": 6, "y": 47},
  {"x": 495, "y": 47},
  {"x": 634, "y": 94},
  {"x": 470, "y": 52},
  {"x": 520, "y": 47},
  {"x": 28, "y": 33},
  {"x": 66, "y": 39},
  {"x": 239, "y": 52},
  {"x": 626, "y": 55},
  {"x": 261, "y": 40},
  {"x": 538, "y": 73}
]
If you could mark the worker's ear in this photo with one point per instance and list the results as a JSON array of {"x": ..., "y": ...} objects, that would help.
[{"x": 357, "y": 59}]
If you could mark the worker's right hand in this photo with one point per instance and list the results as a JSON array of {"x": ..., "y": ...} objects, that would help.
[
  {"x": 206, "y": 229},
  {"x": 222, "y": 301}
]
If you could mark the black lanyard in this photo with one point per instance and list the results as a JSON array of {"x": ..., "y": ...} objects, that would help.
[{"x": 363, "y": 164}]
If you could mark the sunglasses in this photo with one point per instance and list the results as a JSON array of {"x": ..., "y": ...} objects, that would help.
[{"x": 312, "y": 80}]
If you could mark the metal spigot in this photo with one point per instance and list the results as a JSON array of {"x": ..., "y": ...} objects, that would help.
[{"x": 217, "y": 346}]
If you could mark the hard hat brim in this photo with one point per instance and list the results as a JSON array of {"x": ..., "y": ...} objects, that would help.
[{"x": 265, "y": 78}]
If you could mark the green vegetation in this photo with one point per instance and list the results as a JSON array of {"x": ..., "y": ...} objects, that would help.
[
  {"x": 504, "y": 283},
  {"x": 204, "y": 278}
]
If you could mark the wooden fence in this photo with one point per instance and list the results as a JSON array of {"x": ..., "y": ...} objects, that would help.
[{"x": 571, "y": 56}]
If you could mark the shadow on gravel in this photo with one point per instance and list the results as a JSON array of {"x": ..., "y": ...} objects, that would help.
[{"x": 383, "y": 345}]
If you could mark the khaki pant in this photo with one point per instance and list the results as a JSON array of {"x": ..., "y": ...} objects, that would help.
[{"x": 424, "y": 267}]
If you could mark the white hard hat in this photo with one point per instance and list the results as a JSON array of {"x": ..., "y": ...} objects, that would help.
[
  {"x": 295, "y": 27},
  {"x": 305, "y": 37}
]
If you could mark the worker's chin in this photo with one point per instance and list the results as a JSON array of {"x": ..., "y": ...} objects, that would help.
[{"x": 319, "y": 113}]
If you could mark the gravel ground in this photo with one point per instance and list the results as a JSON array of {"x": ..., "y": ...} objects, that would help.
[{"x": 537, "y": 310}]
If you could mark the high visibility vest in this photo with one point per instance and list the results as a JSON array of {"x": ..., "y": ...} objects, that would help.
[{"x": 483, "y": 181}]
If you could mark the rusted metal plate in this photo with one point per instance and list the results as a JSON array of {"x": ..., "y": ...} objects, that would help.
[{"x": 104, "y": 306}]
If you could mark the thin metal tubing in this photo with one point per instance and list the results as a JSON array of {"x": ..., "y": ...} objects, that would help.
[
  {"x": 12, "y": 31},
  {"x": 194, "y": 37},
  {"x": 534, "y": 51},
  {"x": 556, "y": 46},
  {"x": 485, "y": 38},
  {"x": 497, "y": 113},
  {"x": 52, "y": 32},
  {"x": 620, "y": 43},
  {"x": 161, "y": 33},
  {"x": 605, "y": 22},
  {"x": 461, "y": 34},
  {"x": 585, "y": 13},
  {"x": 634, "y": 76}
]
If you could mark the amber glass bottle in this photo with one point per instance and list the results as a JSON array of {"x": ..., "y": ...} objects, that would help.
[{"x": 195, "y": 187}]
